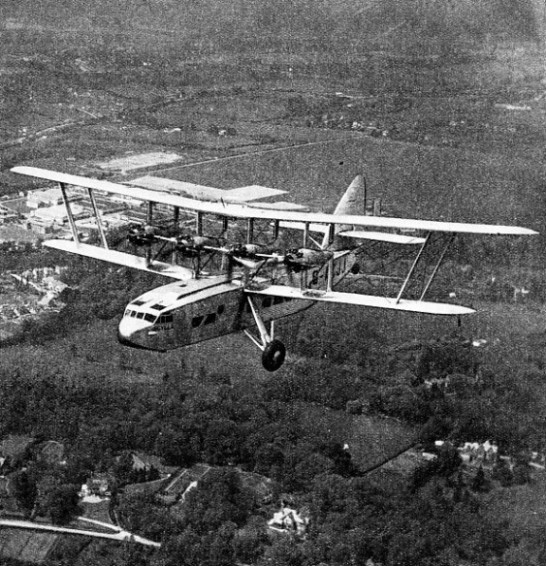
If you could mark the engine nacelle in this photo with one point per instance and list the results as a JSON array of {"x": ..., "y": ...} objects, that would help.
[{"x": 305, "y": 258}]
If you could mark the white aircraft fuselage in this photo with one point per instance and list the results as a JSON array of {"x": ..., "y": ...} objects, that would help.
[{"x": 187, "y": 312}]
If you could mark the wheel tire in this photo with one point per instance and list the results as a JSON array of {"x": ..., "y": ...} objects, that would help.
[{"x": 273, "y": 355}]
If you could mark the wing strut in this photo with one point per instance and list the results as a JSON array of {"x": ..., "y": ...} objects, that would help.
[
  {"x": 437, "y": 266},
  {"x": 98, "y": 219},
  {"x": 73, "y": 228},
  {"x": 329, "y": 238},
  {"x": 425, "y": 266},
  {"x": 412, "y": 269}
]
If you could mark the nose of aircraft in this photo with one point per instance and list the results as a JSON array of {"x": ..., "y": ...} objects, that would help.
[{"x": 129, "y": 330}]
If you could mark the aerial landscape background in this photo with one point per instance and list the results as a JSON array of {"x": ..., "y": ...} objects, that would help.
[{"x": 441, "y": 106}]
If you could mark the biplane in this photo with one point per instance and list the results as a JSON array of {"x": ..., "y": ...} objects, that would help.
[{"x": 227, "y": 281}]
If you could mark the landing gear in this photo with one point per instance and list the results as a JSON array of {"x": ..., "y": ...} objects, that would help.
[
  {"x": 273, "y": 350},
  {"x": 273, "y": 355}
]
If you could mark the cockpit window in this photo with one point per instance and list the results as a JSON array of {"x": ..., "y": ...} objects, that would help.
[
  {"x": 149, "y": 317},
  {"x": 140, "y": 315}
]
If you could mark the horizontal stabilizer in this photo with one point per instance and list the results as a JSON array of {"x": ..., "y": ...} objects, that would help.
[
  {"x": 120, "y": 258},
  {"x": 363, "y": 300},
  {"x": 382, "y": 237}
]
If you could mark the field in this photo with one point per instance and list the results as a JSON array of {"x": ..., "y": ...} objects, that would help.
[{"x": 26, "y": 545}]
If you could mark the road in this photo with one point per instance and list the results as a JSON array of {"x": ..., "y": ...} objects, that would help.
[{"x": 120, "y": 535}]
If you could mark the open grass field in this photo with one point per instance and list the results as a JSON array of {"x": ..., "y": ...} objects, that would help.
[{"x": 26, "y": 545}]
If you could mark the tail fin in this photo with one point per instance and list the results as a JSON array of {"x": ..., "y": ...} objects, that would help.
[
  {"x": 354, "y": 199},
  {"x": 352, "y": 202}
]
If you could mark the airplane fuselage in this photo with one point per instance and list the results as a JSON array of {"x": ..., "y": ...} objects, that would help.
[{"x": 187, "y": 312}]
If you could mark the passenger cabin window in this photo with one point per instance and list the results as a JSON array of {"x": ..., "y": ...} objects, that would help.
[
  {"x": 277, "y": 300},
  {"x": 196, "y": 321},
  {"x": 165, "y": 319},
  {"x": 210, "y": 318}
]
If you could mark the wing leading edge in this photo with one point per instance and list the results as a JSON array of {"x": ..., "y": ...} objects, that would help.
[
  {"x": 241, "y": 211},
  {"x": 424, "y": 307}
]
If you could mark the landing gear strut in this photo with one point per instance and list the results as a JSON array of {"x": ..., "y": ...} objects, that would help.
[{"x": 273, "y": 350}]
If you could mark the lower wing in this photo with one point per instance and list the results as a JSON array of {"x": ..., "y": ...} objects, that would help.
[
  {"x": 425, "y": 307},
  {"x": 120, "y": 258}
]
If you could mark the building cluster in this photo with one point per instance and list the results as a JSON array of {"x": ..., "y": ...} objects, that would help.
[
  {"x": 45, "y": 281},
  {"x": 486, "y": 455},
  {"x": 479, "y": 453}
]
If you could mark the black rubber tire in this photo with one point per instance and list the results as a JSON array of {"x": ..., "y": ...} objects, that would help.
[{"x": 273, "y": 355}]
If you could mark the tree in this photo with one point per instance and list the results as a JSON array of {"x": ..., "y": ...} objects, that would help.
[
  {"x": 218, "y": 498},
  {"x": 24, "y": 490},
  {"x": 479, "y": 483},
  {"x": 123, "y": 468},
  {"x": 283, "y": 552},
  {"x": 62, "y": 504}
]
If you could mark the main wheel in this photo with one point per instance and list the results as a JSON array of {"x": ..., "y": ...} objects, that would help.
[{"x": 273, "y": 355}]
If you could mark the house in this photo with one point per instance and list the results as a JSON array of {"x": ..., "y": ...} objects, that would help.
[
  {"x": 288, "y": 520},
  {"x": 478, "y": 454},
  {"x": 98, "y": 484}
]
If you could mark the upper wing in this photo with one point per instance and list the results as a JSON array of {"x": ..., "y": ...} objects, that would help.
[
  {"x": 241, "y": 211},
  {"x": 120, "y": 258},
  {"x": 425, "y": 307}
]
